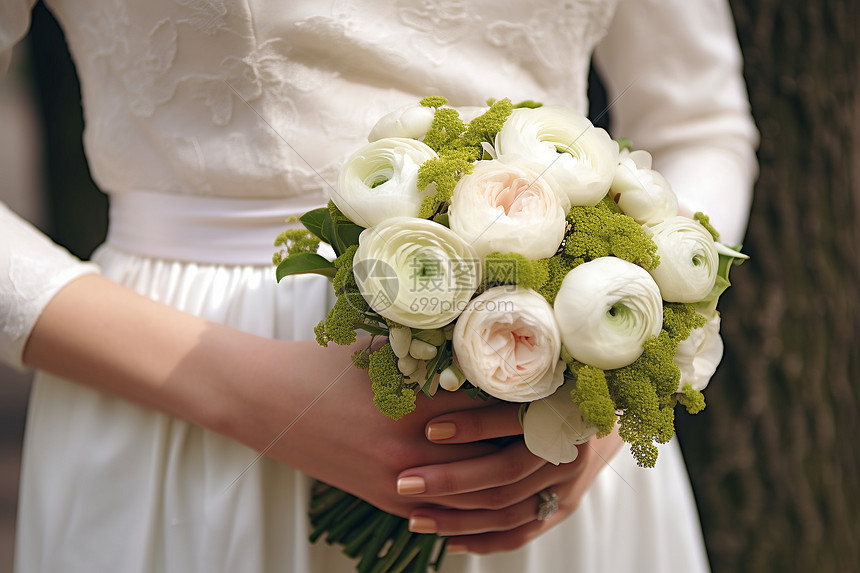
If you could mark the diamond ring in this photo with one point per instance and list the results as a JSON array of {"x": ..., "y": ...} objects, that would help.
[{"x": 548, "y": 505}]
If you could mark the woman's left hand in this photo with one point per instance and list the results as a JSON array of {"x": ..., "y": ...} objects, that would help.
[{"x": 504, "y": 516}]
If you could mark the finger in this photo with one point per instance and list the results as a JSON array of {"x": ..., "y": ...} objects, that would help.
[
  {"x": 444, "y": 402},
  {"x": 510, "y": 465},
  {"x": 442, "y": 522},
  {"x": 475, "y": 425},
  {"x": 486, "y": 543},
  {"x": 502, "y": 497}
]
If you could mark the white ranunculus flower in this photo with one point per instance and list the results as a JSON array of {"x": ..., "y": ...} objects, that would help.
[
  {"x": 416, "y": 272},
  {"x": 554, "y": 426},
  {"x": 688, "y": 259},
  {"x": 412, "y": 120},
  {"x": 380, "y": 181},
  {"x": 699, "y": 355},
  {"x": 606, "y": 309},
  {"x": 641, "y": 192},
  {"x": 502, "y": 207},
  {"x": 507, "y": 343},
  {"x": 582, "y": 158}
]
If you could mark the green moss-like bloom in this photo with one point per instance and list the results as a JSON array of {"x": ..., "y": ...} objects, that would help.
[
  {"x": 705, "y": 221},
  {"x": 391, "y": 394},
  {"x": 592, "y": 397},
  {"x": 514, "y": 268},
  {"x": 693, "y": 400},
  {"x": 294, "y": 241},
  {"x": 600, "y": 231}
]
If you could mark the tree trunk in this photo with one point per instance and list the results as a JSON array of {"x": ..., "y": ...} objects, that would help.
[{"x": 773, "y": 458}]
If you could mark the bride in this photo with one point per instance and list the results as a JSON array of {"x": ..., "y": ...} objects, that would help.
[{"x": 179, "y": 409}]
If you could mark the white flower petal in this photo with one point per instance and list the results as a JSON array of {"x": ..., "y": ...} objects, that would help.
[
  {"x": 502, "y": 207},
  {"x": 688, "y": 259},
  {"x": 507, "y": 343},
  {"x": 554, "y": 426},
  {"x": 641, "y": 192},
  {"x": 606, "y": 309},
  {"x": 579, "y": 156},
  {"x": 380, "y": 181},
  {"x": 416, "y": 272},
  {"x": 699, "y": 355},
  {"x": 412, "y": 121}
]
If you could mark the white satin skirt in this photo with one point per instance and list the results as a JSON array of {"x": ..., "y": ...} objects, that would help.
[{"x": 109, "y": 486}]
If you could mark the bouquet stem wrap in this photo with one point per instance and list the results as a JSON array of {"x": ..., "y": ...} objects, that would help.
[{"x": 380, "y": 541}]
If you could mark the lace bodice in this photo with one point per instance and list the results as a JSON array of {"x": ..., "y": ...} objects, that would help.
[{"x": 229, "y": 98}]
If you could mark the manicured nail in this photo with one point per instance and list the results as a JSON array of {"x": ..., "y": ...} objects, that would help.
[
  {"x": 455, "y": 548},
  {"x": 410, "y": 485},
  {"x": 422, "y": 525},
  {"x": 441, "y": 431}
]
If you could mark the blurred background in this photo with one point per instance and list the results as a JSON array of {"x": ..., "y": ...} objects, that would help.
[{"x": 773, "y": 458}]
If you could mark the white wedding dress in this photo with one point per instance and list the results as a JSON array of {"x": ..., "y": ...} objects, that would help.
[{"x": 209, "y": 121}]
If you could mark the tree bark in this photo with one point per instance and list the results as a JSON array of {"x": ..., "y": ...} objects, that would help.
[{"x": 773, "y": 458}]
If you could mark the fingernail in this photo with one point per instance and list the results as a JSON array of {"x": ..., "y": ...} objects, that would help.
[
  {"x": 422, "y": 525},
  {"x": 410, "y": 485},
  {"x": 441, "y": 431},
  {"x": 455, "y": 548}
]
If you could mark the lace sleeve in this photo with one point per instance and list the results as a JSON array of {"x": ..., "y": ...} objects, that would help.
[
  {"x": 14, "y": 22},
  {"x": 673, "y": 70},
  {"x": 32, "y": 271}
]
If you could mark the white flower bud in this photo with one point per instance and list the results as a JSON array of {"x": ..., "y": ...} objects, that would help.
[
  {"x": 412, "y": 120},
  {"x": 400, "y": 338},
  {"x": 420, "y": 374},
  {"x": 407, "y": 365},
  {"x": 451, "y": 378},
  {"x": 422, "y": 350},
  {"x": 641, "y": 192}
]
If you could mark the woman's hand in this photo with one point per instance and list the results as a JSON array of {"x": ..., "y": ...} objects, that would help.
[
  {"x": 314, "y": 410},
  {"x": 492, "y": 501}
]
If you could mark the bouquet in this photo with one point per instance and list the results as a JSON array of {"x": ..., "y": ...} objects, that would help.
[{"x": 514, "y": 252}]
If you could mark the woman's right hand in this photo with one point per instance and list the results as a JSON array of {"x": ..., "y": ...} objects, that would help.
[{"x": 311, "y": 408}]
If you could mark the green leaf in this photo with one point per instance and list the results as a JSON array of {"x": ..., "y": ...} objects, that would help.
[
  {"x": 728, "y": 258},
  {"x": 301, "y": 263},
  {"x": 372, "y": 329},
  {"x": 347, "y": 233},
  {"x": 442, "y": 219},
  {"x": 328, "y": 229},
  {"x": 313, "y": 222}
]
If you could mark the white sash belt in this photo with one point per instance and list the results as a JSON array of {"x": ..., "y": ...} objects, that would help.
[{"x": 201, "y": 229}]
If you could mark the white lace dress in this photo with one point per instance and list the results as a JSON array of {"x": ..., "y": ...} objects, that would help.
[{"x": 208, "y": 121}]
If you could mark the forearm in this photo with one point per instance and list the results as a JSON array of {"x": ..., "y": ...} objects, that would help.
[{"x": 98, "y": 333}]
